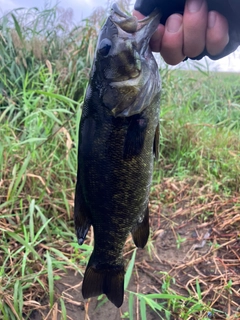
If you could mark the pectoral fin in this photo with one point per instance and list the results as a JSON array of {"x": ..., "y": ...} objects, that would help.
[
  {"x": 156, "y": 142},
  {"x": 81, "y": 215},
  {"x": 140, "y": 232},
  {"x": 135, "y": 136}
]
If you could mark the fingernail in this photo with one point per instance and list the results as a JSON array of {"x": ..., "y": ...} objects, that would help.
[
  {"x": 174, "y": 23},
  {"x": 211, "y": 19},
  {"x": 194, "y": 5}
]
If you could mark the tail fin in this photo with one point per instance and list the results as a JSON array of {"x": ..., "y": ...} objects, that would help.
[{"x": 104, "y": 279}]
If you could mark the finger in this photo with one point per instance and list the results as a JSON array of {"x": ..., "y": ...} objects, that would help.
[
  {"x": 156, "y": 40},
  {"x": 138, "y": 15},
  {"x": 172, "y": 41},
  {"x": 195, "y": 20},
  {"x": 217, "y": 33}
]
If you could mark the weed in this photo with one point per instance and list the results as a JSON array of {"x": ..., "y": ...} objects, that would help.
[{"x": 180, "y": 240}]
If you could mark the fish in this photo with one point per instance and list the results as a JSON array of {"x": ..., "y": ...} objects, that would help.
[{"x": 118, "y": 140}]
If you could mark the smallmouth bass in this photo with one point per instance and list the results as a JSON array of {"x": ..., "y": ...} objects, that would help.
[{"x": 118, "y": 138}]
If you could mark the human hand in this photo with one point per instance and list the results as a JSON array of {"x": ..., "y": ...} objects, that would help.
[{"x": 189, "y": 34}]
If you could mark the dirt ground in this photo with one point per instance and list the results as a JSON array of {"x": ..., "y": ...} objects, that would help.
[{"x": 193, "y": 240}]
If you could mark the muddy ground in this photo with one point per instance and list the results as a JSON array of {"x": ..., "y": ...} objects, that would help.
[{"x": 194, "y": 239}]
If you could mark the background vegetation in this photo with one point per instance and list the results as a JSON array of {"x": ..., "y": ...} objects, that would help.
[{"x": 44, "y": 66}]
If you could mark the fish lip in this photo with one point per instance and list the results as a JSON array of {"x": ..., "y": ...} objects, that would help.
[
  {"x": 155, "y": 15},
  {"x": 130, "y": 24},
  {"x": 123, "y": 21}
]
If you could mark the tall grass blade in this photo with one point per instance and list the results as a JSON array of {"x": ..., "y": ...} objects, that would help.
[
  {"x": 63, "y": 310},
  {"x": 19, "y": 239},
  {"x": 129, "y": 270},
  {"x": 143, "y": 309},
  {"x": 14, "y": 189},
  {"x": 17, "y": 27},
  {"x": 50, "y": 279},
  {"x": 31, "y": 219},
  {"x": 131, "y": 306}
]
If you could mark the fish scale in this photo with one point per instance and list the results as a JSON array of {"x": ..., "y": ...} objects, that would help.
[{"x": 118, "y": 137}]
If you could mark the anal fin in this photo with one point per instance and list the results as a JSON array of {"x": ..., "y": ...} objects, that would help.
[{"x": 140, "y": 232}]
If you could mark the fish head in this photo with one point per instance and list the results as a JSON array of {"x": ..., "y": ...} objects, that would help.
[{"x": 124, "y": 69}]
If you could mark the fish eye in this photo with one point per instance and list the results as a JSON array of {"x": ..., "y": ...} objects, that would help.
[{"x": 104, "y": 47}]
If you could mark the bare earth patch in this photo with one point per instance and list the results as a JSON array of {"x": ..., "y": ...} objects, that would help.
[{"x": 195, "y": 240}]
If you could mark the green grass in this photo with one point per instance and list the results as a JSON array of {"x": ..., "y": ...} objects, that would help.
[
  {"x": 200, "y": 127},
  {"x": 44, "y": 70}
]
